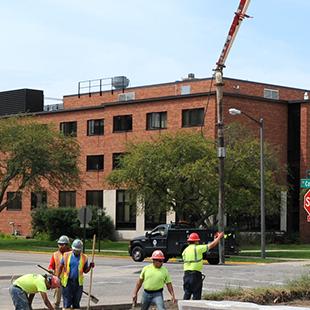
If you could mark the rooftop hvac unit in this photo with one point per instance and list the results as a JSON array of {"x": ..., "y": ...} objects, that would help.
[{"x": 120, "y": 82}]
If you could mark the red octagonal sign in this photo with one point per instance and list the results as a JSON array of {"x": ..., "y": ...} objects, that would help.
[{"x": 307, "y": 204}]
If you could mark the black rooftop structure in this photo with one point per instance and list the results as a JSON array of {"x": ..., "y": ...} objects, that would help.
[{"x": 21, "y": 101}]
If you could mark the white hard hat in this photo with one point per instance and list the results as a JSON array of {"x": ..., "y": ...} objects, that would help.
[
  {"x": 63, "y": 239},
  {"x": 77, "y": 245}
]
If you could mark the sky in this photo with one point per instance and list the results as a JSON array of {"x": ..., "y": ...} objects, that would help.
[{"x": 53, "y": 44}]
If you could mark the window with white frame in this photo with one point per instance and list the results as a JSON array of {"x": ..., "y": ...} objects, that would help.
[{"x": 271, "y": 93}]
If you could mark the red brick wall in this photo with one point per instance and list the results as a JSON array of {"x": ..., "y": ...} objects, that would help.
[
  {"x": 273, "y": 112},
  {"x": 174, "y": 89}
]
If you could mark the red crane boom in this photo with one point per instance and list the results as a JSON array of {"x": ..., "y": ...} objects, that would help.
[{"x": 239, "y": 16}]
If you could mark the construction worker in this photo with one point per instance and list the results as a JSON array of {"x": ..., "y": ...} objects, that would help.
[
  {"x": 24, "y": 288},
  {"x": 154, "y": 277},
  {"x": 193, "y": 263},
  {"x": 73, "y": 265},
  {"x": 63, "y": 246}
]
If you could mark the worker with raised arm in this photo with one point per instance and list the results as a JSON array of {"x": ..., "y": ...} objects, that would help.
[
  {"x": 63, "y": 246},
  {"x": 193, "y": 263},
  {"x": 154, "y": 277},
  {"x": 24, "y": 288},
  {"x": 73, "y": 265}
]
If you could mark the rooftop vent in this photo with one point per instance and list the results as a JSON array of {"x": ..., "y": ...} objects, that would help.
[
  {"x": 190, "y": 76},
  {"x": 120, "y": 82}
]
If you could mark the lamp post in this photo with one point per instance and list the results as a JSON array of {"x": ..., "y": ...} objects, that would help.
[{"x": 260, "y": 122}]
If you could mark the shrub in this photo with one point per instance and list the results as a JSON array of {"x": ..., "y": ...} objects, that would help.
[
  {"x": 54, "y": 222},
  {"x": 106, "y": 230}
]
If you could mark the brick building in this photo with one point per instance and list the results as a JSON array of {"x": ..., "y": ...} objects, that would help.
[{"x": 104, "y": 120}]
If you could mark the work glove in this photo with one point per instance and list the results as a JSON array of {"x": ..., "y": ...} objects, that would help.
[{"x": 92, "y": 265}]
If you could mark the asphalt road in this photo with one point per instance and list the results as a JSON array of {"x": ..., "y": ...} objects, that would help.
[{"x": 114, "y": 278}]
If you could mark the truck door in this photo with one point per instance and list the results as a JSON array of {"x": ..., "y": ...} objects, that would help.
[{"x": 157, "y": 239}]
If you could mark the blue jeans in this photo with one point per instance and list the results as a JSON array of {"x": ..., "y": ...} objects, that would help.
[
  {"x": 152, "y": 297},
  {"x": 19, "y": 297},
  {"x": 72, "y": 294}
]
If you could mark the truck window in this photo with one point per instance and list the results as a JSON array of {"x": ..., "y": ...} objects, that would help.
[{"x": 159, "y": 231}]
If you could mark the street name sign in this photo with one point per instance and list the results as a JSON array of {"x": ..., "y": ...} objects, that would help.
[{"x": 304, "y": 183}]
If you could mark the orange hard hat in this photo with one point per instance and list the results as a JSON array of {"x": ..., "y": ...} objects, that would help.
[
  {"x": 193, "y": 237},
  {"x": 158, "y": 254},
  {"x": 53, "y": 281}
]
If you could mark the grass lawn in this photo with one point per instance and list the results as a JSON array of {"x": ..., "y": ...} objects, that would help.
[
  {"x": 297, "y": 251},
  {"x": 248, "y": 254},
  {"x": 21, "y": 244}
]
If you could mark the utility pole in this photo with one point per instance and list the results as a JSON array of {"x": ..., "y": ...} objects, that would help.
[{"x": 221, "y": 152}]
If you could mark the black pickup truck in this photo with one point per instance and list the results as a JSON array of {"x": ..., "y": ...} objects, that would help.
[{"x": 172, "y": 240}]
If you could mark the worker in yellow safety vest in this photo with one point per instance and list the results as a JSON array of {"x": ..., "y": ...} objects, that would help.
[
  {"x": 193, "y": 263},
  {"x": 63, "y": 246},
  {"x": 73, "y": 265}
]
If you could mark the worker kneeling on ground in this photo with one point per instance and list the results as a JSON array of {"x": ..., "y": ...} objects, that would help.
[
  {"x": 25, "y": 287},
  {"x": 193, "y": 263},
  {"x": 154, "y": 277},
  {"x": 73, "y": 265}
]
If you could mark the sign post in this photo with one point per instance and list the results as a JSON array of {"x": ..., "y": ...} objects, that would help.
[
  {"x": 307, "y": 204},
  {"x": 85, "y": 216}
]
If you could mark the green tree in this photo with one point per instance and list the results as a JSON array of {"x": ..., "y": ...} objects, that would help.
[
  {"x": 174, "y": 172},
  {"x": 32, "y": 154},
  {"x": 180, "y": 172},
  {"x": 242, "y": 175}
]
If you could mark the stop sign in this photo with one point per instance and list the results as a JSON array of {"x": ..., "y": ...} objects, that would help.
[{"x": 307, "y": 202}]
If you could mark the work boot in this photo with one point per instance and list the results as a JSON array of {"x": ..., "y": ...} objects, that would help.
[{"x": 56, "y": 306}]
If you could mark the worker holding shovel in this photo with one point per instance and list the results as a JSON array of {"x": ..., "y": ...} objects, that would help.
[{"x": 73, "y": 265}]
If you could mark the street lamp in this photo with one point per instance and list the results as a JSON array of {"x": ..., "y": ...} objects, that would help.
[{"x": 260, "y": 122}]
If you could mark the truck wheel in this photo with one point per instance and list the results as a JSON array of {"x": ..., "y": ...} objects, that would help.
[
  {"x": 213, "y": 261},
  {"x": 137, "y": 254}
]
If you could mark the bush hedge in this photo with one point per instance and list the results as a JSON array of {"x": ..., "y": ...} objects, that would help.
[{"x": 54, "y": 222}]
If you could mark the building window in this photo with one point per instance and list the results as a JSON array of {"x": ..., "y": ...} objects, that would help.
[
  {"x": 122, "y": 123},
  {"x": 116, "y": 160},
  {"x": 38, "y": 199},
  {"x": 271, "y": 93},
  {"x": 67, "y": 199},
  {"x": 14, "y": 200},
  {"x": 94, "y": 198},
  {"x": 156, "y": 120},
  {"x": 94, "y": 162},
  {"x": 152, "y": 220},
  {"x": 95, "y": 127},
  {"x": 185, "y": 89},
  {"x": 69, "y": 128},
  {"x": 125, "y": 212},
  {"x": 192, "y": 117}
]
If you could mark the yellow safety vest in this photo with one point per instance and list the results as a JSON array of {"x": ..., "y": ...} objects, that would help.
[
  {"x": 193, "y": 255},
  {"x": 66, "y": 270}
]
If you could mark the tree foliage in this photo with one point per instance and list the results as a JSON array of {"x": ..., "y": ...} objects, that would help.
[
  {"x": 180, "y": 172},
  {"x": 242, "y": 175},
  {"x": 32, "y": 154}
]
